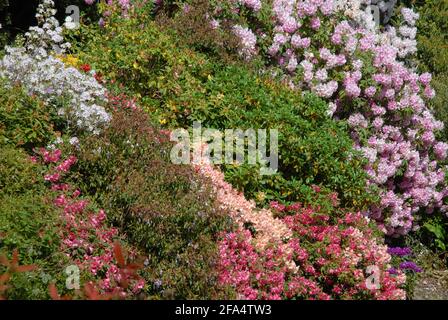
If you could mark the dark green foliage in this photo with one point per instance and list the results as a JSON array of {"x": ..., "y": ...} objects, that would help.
[
  {"x": 5, "y": 22},
  {"x": 313, "y": 149}
]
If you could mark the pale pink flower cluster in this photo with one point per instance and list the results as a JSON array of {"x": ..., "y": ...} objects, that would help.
[
  {"x": 242, "y": 210},
  {"x": 248, "y": 41},
  {"x": 252, "y": 4}
]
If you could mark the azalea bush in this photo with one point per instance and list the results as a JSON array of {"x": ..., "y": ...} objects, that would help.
[
  {"x": 86, "y": 238},
  {"x": 324, "y": 264},
  {"x": 300, "y": 251}
]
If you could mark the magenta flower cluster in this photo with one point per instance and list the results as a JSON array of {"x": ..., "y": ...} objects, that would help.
[
  {"x": 323, "y": 259},
  {"x": 86, "y": 237}
]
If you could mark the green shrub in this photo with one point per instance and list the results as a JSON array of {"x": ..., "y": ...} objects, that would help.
[
  {"x": 432, "y": 39},
  {"x": 162, "y": 208},
  {"x": 17, "y": 172},
  {"x": 433, "y": 35},
  {"x": 28, "y": 223},
  {"x": 24, "y": 120},
  {"x": 177, "y": 85},
  {"x": 313, "y": 149},
  {"x": 139, "y": 54},
  {"x": 440, "y": 101}
]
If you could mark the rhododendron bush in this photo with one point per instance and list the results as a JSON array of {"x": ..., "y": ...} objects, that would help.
[{"x": 334, "y": 49}]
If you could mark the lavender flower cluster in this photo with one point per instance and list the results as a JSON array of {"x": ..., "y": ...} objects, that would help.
[
  {"x": 248, "y": 41},
  {"x": 410, "y": 265},
  {"x": 400, "y": 252}
]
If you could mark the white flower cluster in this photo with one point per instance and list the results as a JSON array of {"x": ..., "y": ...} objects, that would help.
[
  {"x": 49, "y": 79},
  {"x": 47, "y": 35},
  {"x": 358, "y": 10},
  {"x": 43, "y": 75}
]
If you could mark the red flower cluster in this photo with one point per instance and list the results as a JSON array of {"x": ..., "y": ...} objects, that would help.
[
  {"x": 85, "y": 67},
  {"x": 86, "y": 237},
  {"x": 121, "y": 101}
]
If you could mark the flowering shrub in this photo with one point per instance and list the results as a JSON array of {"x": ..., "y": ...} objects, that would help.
[
  {"x": 403, "y": 260},
  {"x": 304, "y": 253},
  {"x": 165, "y": 210},
  {"x": 86, "y": 238},
  {"x": 241, "y": 210},
  {"x": 92, "y": 291},
  {"x": 302, "y": 65},
  {"x": 124, "y": 5},
  {"x": 43, "y": 75},
  {"x": 324, "y": 258}
]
